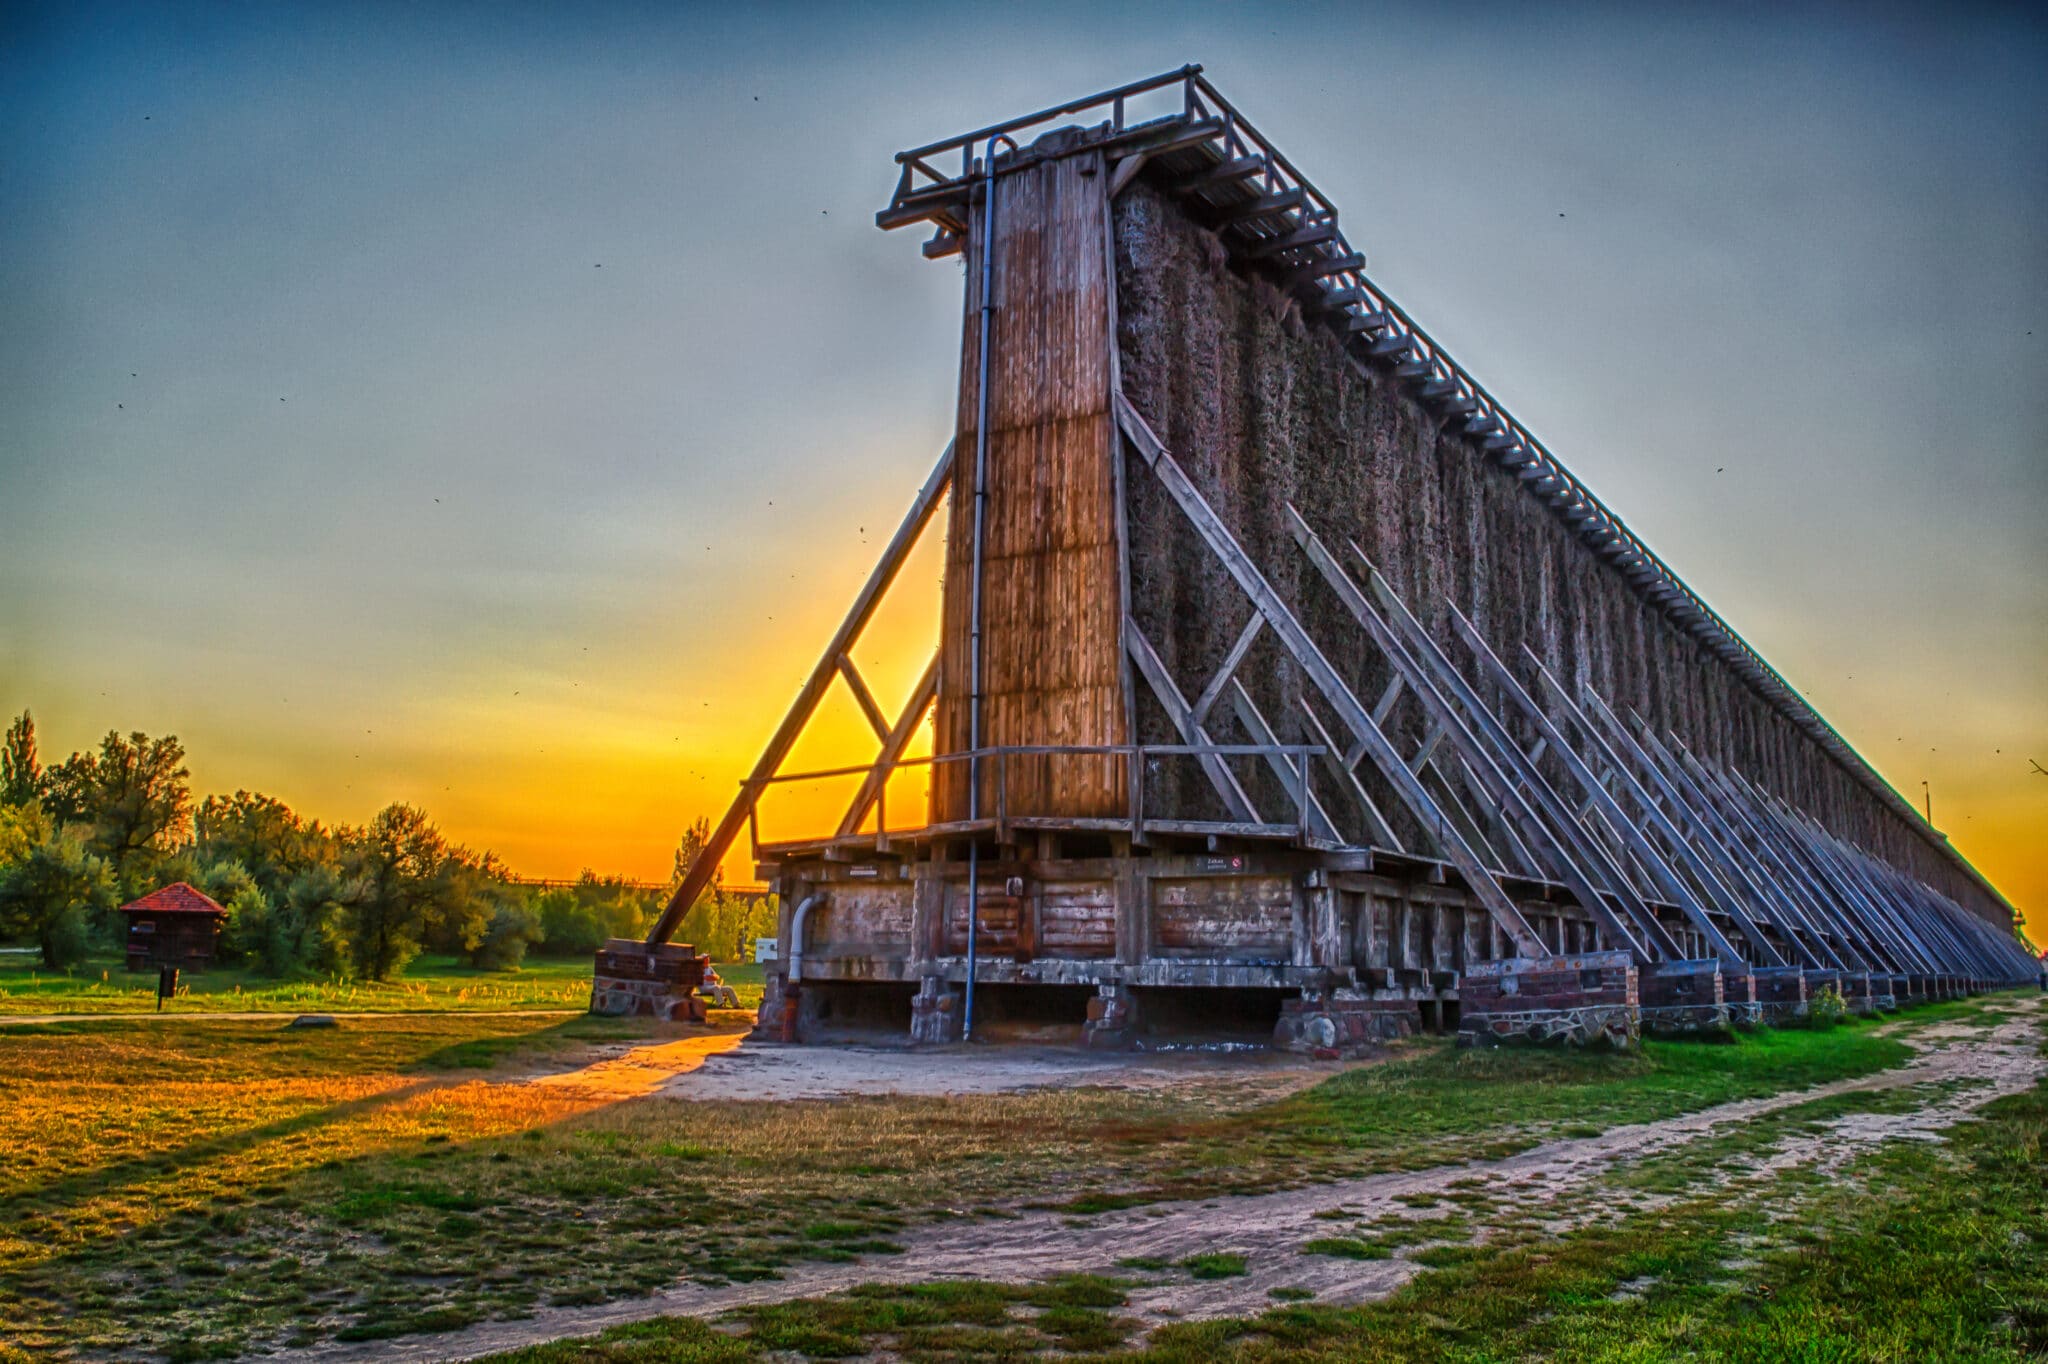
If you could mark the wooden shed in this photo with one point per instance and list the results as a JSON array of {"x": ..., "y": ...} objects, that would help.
[{"x": 175, "y": 926}]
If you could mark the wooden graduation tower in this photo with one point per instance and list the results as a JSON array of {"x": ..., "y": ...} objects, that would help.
[{"x": 1287, "y": 685}]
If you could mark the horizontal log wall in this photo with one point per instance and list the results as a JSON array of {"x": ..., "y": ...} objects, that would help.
[{"x": 1261, "y": 409}]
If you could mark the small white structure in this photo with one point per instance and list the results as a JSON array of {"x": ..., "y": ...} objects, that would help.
[{"x": 765, "y": 949}]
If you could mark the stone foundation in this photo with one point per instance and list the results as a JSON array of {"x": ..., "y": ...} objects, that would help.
[
  {"x": 1112, "y": 1019},
  {"x": 1577, "y": 999},
  {"x": 936, "y": 1012},
  {"x": 1684, "y": 998},
  {"x": 1738, "y": 993},
  {"x": 1780, "y": 994},
  {"x": 662, "y": 982},
  {"x": 781, "y": 1005},
  {"x": 1337, "y": 1023}
]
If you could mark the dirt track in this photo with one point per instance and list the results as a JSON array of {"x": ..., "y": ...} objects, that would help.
[{"x": 1970, "y": 1066}]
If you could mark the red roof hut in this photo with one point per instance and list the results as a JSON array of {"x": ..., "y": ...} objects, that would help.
[{"x": 175, "y": 926}]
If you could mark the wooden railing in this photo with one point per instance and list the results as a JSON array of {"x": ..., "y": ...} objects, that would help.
[{"x": 1003, "y": 823}]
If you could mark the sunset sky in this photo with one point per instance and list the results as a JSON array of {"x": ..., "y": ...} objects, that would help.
[{"x": 495, "y": 407}]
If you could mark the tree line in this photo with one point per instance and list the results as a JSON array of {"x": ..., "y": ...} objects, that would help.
[{"x": 347, "y": 902}]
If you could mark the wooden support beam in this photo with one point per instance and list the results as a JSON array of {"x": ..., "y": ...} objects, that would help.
[
  {"x": 1378, "y": 832},
  {"x": 1245, "y": 639},
  {"x": 1302, "y": 647},
  {"x": 1597, "y": 795},
  {"x": 1227, "y": 172},
  {"x": 864, "y": 603},
  {"x": 1126, "y": 171},
  {"x": 1293, "y": 779},
  {"x": 1322, "y": 268},
  {"x": 1476, "y": 736},
  {"x": 1192, "y": 734},
  {"x": 1298, "y": 240},
  {"x": 893, "y": 743},
  {"x": 1265, "y": 206},
  {"x": 859, "y": 687}
]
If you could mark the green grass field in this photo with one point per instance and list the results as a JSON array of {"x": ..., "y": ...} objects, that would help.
[
  {"x": 1918, "y": 1252},
  {"x": 209, "y": 1187},
  {"x": 430, "y": 984}
]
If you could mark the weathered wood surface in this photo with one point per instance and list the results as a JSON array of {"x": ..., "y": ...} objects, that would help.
[
  {"x": 1261, "y": 409},
  {"x": 1051, "y": 667}
]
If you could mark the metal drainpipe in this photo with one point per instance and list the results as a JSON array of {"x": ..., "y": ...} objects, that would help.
[
  {"x": 988, "y": 309},
  {"x": 796, "y": 936}
]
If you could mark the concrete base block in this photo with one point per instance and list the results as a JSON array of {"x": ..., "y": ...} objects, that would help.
[
  {"x": 1738, "y": 994},
  {"x": 1112, "y": 1019},
  {"x": 935, "y": 1012},
  {"x": 781, "y": 1005},
  {"x": 632, "y": 979},
  {"x": 1780, "y": 994},
  {"x": 1683, "y": 998},
  {"x": 1577, "y": 999},
  {"x": 1336, "y": 1023}
]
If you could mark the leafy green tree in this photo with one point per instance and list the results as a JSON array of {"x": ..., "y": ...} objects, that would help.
[
  {"x": 391, "y": 887},
  {"x": 245, "y": 937},
  {"x": 52, "y": 892},
  {"x": 20, "y": 826},
  {"x": 21, "y": 776},
  {"x": 264, "y": 836},
  {"x": 303, "y": 933},
  {"x": 688, "y": 849},
  {"x": 398, "y": 884},
  {"x": 134, "y": 796},
  {"x": 513, "y": 927},
  {"x": 724, "y": 926},
  {"x": 568, "y": 926}
]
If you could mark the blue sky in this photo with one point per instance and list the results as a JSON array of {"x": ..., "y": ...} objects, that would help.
[{"x": 603, "y": 280}]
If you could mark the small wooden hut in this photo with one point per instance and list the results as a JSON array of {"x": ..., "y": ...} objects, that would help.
[{"x": 175, "y": 926}]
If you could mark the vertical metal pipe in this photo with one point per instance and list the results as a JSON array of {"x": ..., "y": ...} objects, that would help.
[{"x": 988, "y": 308}]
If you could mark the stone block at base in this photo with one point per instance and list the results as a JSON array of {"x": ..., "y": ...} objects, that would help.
[
  {"x": 633, "y": 979},
  {"x": 935, "y": 1013},
  {"x": 1335, "y": 1023},
  {"x": 1683, "y": 999},
  {"x": 1780, "y": 994},
  {"x": 1575, "y": 999},
  {"x": 781, "y": 1004},
  {"x": 1112, "y": 1019}
]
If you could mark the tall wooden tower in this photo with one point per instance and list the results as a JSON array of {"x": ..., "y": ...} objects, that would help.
[{"x": 1285, "y": 682}]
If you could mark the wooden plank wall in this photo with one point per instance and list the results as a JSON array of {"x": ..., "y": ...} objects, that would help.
[
  {"x": 1050, "y": 667},
  {"x": 1261, "y": 410}
]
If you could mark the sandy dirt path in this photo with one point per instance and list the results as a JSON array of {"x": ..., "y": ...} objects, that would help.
[
  {"x": 733, "y": 1067},
  {"x": 1972, "y": 1066}
]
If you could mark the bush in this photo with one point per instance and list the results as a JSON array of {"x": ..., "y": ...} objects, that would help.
[
  {"x": 506, "y": 937},
  {"x": 569, "y": 927},
  {"x": 245, "y": 937},
  {"x": 69, "y": 938},
  {"x": 1826, "y": 1009}
]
